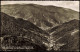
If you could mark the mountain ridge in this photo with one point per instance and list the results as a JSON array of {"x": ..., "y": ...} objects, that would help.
[
  {"x": 11, "y": 27},
  {"x": 66, "y": 36},
  {"x": 44, "y": 17}
]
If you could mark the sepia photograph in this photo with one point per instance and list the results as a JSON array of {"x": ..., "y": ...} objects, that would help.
[{"x": 39, "y": 26}]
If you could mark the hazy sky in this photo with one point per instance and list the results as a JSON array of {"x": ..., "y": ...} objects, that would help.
[{"x": 66, "y": 4}]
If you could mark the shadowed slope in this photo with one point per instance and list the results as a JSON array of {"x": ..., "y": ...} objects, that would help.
[
  {"x": 66, "y": 36},
  {"x": 22, "y": 29}
]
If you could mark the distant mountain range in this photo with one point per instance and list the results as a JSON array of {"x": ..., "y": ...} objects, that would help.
[
  {"x": 45, "y": 17},
  {"x": 41, "y": 27}
]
